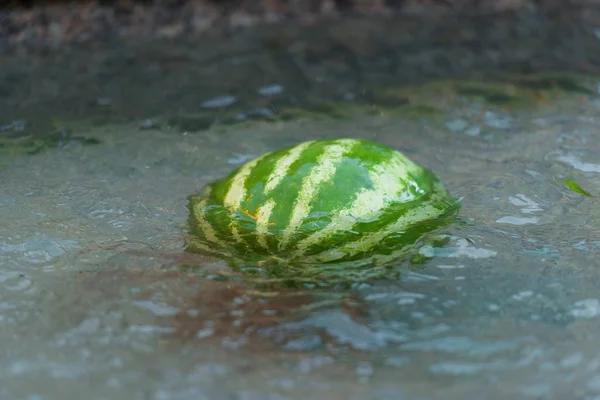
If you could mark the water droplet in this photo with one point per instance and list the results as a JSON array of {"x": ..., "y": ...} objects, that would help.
[
  {"x": 308, "y": 364},
  {"x": 103, "y": 101},
  {"x": 347, "y": 331},
  {"x": 522, "y": 295},
  {"x": 460, "y": 345},
  {"x": 231, "y": 343},
  {"x": 518, "y": 220},
  {"x": 240, "y": 158},
  {"x": 593, "y": 384},
  {"x": 15, "y": 126},
  {"x": 520, "y": 200},
  {"x": 205, "y": 332},
  {"x": 219, "y": 102},
  {"x": 303, "y": 343},
  {"x": 495, "y": 120},
  {"x": 473, "y": 131},
  {"x": 588, "y": 308},
  {"x": 160, "y": 310},
  {"x": 463, "y": 249},
  {"x": 571, "y": 361},
  {"x": 397, "y": 362},
  {"x": 456, "y": 368},
  {"x": 532, "y": 172},
  {"x": 457, "y": 125},
  {"x": 149, "y": 329},
  {"x": 444, "y": 266},
  {"x": 149, "y": 124},
  {"x": 270, "y": 90},
  {"x": 578, "y": 164},
  {"x": 364, "y": 370}
]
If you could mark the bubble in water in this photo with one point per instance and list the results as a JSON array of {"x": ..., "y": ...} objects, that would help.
[
  {"x": 517, "y": 220},
  {"x": 461, "y": 345},
  {"x": 347, "y": 331},
  {"x": 457, "y": 125},
  {"x": 219, "y": 102},
  {"x": 364, "y": 370},
  {"x": 304, "y": 343},
  {"x": 528, "y": 205},
  {"x": 495, "y": 120},
  {"x": 588, "y": 308},
  {"x": 463, "y": 249},
  {"x": 522, "y": 295},
  {"x": 270, "y": 90},
  {"x": 160, "y": 310},
  {"x": 578, "y": 164},
  {"x": 307, "y": 365}
]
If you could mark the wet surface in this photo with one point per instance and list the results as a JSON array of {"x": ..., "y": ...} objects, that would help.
[{"x": 99, "y": 300}]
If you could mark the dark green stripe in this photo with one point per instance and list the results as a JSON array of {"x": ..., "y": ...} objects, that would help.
[{"x": 286, "y": 193}]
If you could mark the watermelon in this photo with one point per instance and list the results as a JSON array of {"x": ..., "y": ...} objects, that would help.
[{"x": 319, "y": 208}]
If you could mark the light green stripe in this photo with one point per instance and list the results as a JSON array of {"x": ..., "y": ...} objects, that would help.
[
  {"x": 209, "y": 233},
  {"x": 389, "y": 184},
  {"x": 322, "y": 172},
  {"x": 283, "y": 165},
  {"x": 366, "y": 243},
  {"x": 236, "y": 234},
  {"x": 262, "y": 222},
  {"x": 237, "y": 192}
]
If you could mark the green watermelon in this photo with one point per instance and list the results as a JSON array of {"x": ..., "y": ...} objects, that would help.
[{"x": 317, "y": 207}]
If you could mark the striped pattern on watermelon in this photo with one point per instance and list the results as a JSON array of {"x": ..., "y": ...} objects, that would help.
[{"x": 318, "y": 203}]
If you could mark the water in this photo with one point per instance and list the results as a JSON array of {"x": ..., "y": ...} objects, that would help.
[{"x": 94, "y": 303}]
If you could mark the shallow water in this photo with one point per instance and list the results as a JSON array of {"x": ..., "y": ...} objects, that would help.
[{"x": 94, "y": 304}]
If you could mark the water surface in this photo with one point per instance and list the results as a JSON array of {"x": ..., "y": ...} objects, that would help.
[{"x": 94, "y": 303}]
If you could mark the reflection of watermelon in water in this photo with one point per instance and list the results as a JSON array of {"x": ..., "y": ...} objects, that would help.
[{"x": 319, "y": 206}]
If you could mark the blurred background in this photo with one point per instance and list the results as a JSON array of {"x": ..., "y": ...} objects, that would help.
[{"x": 55, "y": 20}]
